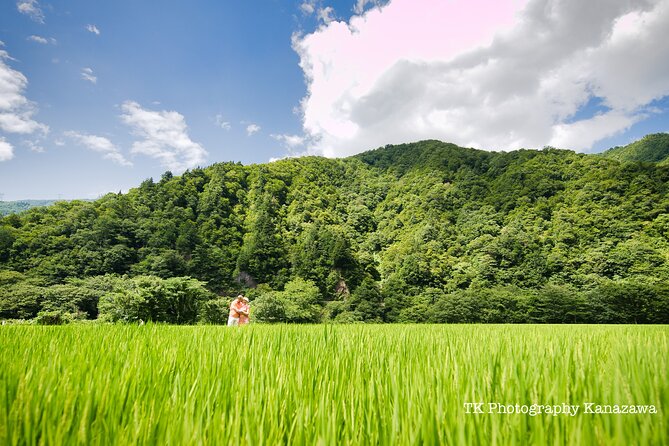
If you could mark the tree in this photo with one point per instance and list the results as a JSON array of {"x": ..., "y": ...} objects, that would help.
[
  {"x": 297, "y": 303},
  {"x": 366, "y": 300},
  {"x": 263, "y": 254}
]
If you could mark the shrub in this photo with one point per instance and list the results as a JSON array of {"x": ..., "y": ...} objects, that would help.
[
  {"x": 148, "y": 298},
  {"x": 298, "y": 303},
  {"x": 20, "y": 301},
  {"x": 57, "y": 317},
  {"x": 72, "y": 299},
  {"x": 620, "y": 302},
  {"x": 270, "y": 308},
  {"x": 215, "y": 311}
]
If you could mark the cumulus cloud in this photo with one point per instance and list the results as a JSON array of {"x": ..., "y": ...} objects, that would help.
[
  {"x": 499, "y": 75},
  {"x": 42, "y": 40},
  {"x": 252, "y": 129},
  {"x": 6, "y": 150},
  {"x": 32, "y": 9},
  {"x": 93, "y": 29},
  {"x": 16, "y": 111},
  {"x": 163, "y": 136},
  {"x": 99, "y": 144},
  {"x": 87, "y": 75},
  {"x": 289, "y": 141}
]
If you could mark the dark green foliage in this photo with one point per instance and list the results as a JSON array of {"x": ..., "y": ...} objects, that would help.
[
  {"x": 422, "y": 232},
  {"x": 627, "y": 302},
  {"x": 556, "y": 304},
  {"x": 323, "y": 254},
  {"x": 20, "y": 300},
  {"x": 366, "y": 301}
]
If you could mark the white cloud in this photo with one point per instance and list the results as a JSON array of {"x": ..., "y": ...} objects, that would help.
[
  {"x": 164, "y": 136},
  {"x": 93, "y": 29},
  {"x": 99, "y": 144},
  {"x": 34, "y": 146},
  {"x": 361, "y": 5},
  {"x": 42, "y": 40},
  {"x": 326, "y": 15},
  {"x": 16, "y": 111},
  {"x": 38, "y": 39},
  {"x": 87, "y": 75},
  {"x": 314, "y": 7},
  {"x": 499, "y": 75},
  {"x": 586, "y": 132},
  {"x": 59, "y": 142},
  {"x": 308, "y": 7},
  {"x": 6, "y": 150},
  {"x": 222, "y": 123},
  {"x": 252, "y": 129},
  {"x": 32, "y": 9},
  {"x": 290, "y": 141}
]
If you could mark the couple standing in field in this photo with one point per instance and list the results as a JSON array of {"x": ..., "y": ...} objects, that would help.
[{"x": 239, "y": 311}]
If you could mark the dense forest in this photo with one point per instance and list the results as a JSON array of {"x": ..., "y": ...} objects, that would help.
[{"x": 422, "y": 232}]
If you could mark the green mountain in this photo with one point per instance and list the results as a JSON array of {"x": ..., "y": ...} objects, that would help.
[
  {"x": 427, "y": 231},
  {"x": 652, "y": 148},
  {"x": 12, "y": 207}
]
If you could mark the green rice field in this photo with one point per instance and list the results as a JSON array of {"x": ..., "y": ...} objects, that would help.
[{"x": 332, "y": 384}]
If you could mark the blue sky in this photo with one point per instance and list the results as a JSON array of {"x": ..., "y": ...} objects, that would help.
[{"x": 99, "y": 96}]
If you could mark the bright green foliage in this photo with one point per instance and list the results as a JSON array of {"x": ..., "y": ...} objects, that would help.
[
  {"x": 651, "y": 148},
  {"x": 329, "y": 384},
  {"x": 215, "y": 311},
  {"x": 71, "y": 298},
  {"x": 298, "y": 303},
  {"x": 147, "y": 298},
  {"x": 57, "y": 317},
  {"x": 270, "y": 307}
]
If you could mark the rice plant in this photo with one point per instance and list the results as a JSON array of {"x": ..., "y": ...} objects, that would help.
[{"x": 330, "y": 384}]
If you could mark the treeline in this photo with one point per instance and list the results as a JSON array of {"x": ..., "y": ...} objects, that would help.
[
  {"x": 183, "y": 300},
  {"x": 424, "y": 232}
]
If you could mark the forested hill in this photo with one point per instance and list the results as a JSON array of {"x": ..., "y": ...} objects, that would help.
[
  {"x": 12, "y": 207},
  {"x": 652, "y": 148},
  {"x": 413, "y": 232}
]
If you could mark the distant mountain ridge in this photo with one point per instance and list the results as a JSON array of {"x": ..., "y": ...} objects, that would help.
[
  {"x": 12, "y": 207},
  {"x": 653, "y": 148}
]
